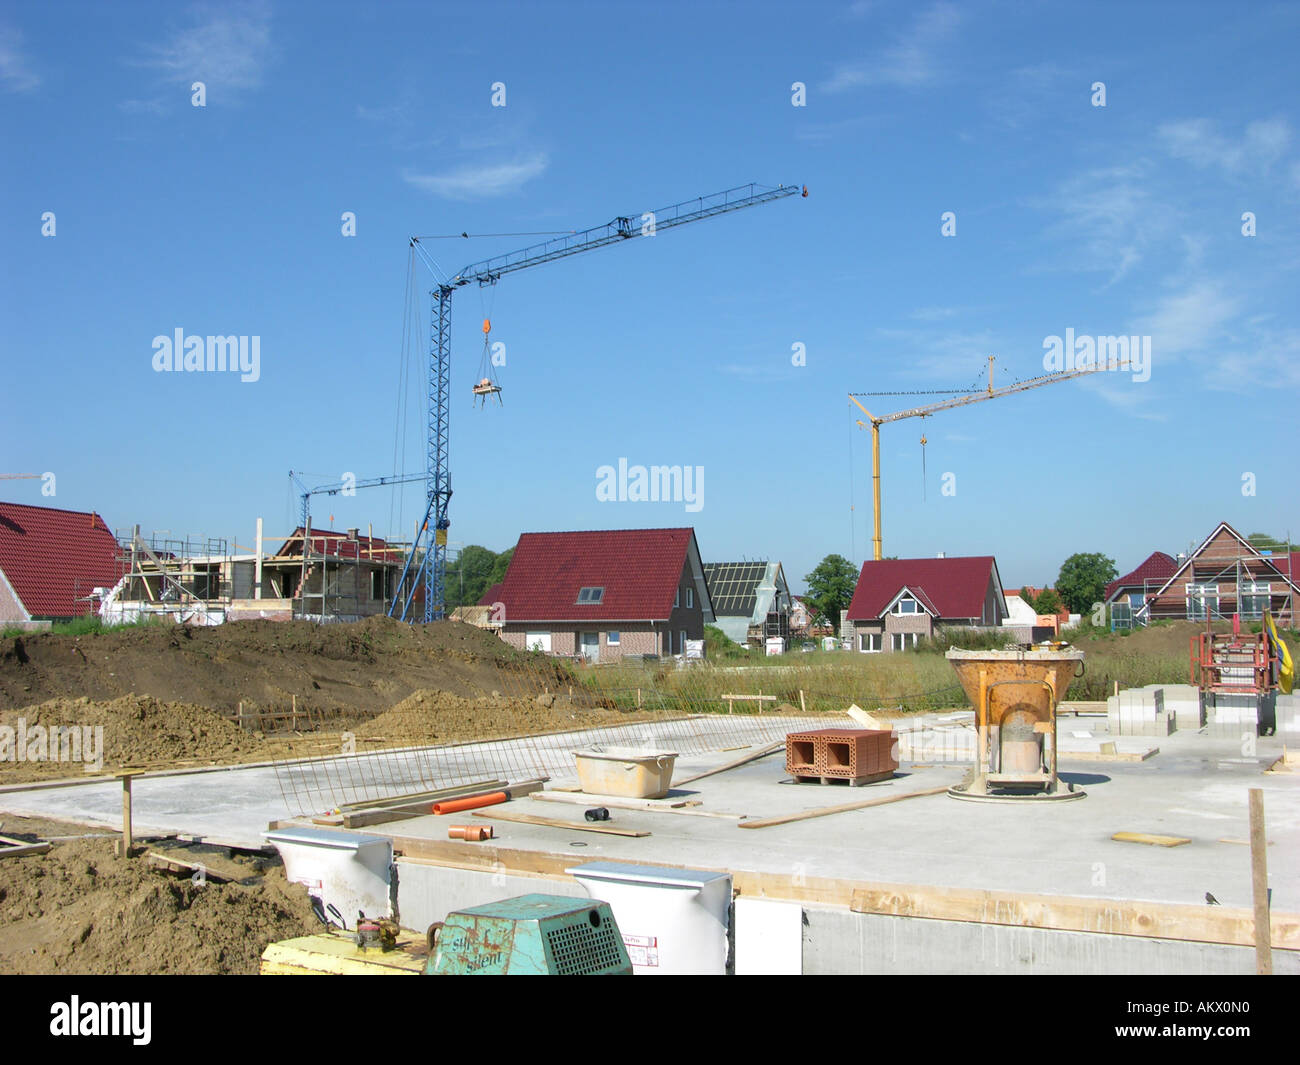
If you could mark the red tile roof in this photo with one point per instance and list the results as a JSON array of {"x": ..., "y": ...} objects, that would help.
[
  {"x": 640, "y": 570},
  {"x": 955, "y": 587},
  {"x": 333, "y": 542},
  {"x": 55, "y": 557},
  {"x": 492, "y": 595},
  {"x": 1157, "y": 567}
]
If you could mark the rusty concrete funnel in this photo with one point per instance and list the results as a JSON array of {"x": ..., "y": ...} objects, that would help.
[{"x": 1015, "y": 694}]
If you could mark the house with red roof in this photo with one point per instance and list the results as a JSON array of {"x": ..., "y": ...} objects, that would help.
[
  {"x": 605, "y": 594},
  {"x": 899, "y": 602},
  {"x": 51, "y": 561},
  {"x": 1127, "y": 594}
]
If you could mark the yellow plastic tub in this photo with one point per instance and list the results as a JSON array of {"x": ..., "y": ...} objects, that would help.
[{"x": 629, "y": 772}]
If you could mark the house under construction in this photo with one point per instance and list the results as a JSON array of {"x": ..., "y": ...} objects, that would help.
[
  {"x": 1227, "y": 575},
  {"x": 327, "y": 576}
]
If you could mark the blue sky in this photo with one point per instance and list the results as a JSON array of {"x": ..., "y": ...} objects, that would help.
[{"x": 226, "y": 219}]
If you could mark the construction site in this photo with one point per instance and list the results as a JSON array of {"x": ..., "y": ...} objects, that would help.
[
  {"x": 291, "y": 797},
  {"x": 285, "y": 757}
]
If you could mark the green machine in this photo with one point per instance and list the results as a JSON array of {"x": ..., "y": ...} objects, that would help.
[{"x": 531, "y": 935}]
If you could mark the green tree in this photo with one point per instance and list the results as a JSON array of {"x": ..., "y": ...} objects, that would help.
[
  {"x": 469, "y": 575},
  {"x": 1263, "y": 542},
  {"x": 500, "y": 566},
  {"x": 830, "y": 587},
  {"x": 1083, "y": 580},
  {"x": 1048, "y": 602}
]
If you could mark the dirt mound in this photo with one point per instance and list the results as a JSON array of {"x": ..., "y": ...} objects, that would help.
[
  {"x": 136, "y": 731},
  {"x": 359, "y": 668},
  {"x": 430, "y": 716},
  {"x": 80, "y": 909}
]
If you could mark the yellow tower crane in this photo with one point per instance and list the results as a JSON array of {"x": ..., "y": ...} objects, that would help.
[{"x": 947, "y": 404}]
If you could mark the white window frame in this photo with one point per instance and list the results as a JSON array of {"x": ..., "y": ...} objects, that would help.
[
  {"x": 690, "y": 598},
  {"x": 1200, "y": 595},
  {"x": 612, "y": 638},
  {"x": 898, "y": 606},
  {"x": 591, "y": 596},
  {"x": 867, "y": 638},
  {"x": 1254, "y": 590},
  {"x": 677, "y": 598}
]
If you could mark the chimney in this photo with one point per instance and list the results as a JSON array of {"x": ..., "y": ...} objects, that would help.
[{"x": 353, "y": 533}]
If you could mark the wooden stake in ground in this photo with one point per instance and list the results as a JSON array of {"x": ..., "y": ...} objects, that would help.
[
  {"x": 1259, "y": 881},
  {"x": 127, "y": 840}
]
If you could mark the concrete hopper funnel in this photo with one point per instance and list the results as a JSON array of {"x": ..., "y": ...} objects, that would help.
[{"x": 1015, "y": 694}]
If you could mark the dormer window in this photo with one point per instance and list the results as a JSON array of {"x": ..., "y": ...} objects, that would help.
[
  {"x": 907, "y": 605},
  {"x": 590, "y": 595}
]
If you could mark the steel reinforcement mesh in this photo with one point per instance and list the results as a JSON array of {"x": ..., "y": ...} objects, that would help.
[{"x": 543, "y": 710}]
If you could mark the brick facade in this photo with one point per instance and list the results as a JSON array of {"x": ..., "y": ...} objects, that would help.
[{"x": 1223, "y": 565}]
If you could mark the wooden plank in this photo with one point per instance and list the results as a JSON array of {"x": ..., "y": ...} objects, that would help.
[
  {"x": 417, "y": 796},
  {"x": 1259, "y": 885},
  {"x": 686, "y": 809},
  {"x": 584, "y": 798},
  {"x": 552, "y": 822},
  {"x": 824, "y": 811},
  {"x": 771, "y": 748},
  {"x": 17, "y": 848},
  {"x": 336, "y": 955},
  {"x": 1107, "y": 756},
  {"x": 1187, "y": 923},
  {"x": 214, "y": 865},
  {"x": 402, "y": 811},
  {"x": 1150, "y": 839},
  {"x": 1152, "y": 920}
]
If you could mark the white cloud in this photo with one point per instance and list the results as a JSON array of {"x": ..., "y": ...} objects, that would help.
[
  {"x": 228, "y": 50},
  {"x": 1188, "y": 322},
  {"x": 1198, "y": 141},
  {"x": 16, "y": 71},
  {"x": 1109, "y": 220},
  {"x": 909, "y": 61},
  {"x": 478, "y": 182}
]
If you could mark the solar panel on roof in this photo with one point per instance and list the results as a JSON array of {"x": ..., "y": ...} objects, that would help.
[{"x": 733, "y": 586}]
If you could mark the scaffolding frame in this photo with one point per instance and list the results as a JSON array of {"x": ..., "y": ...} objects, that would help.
[{"x": 1235, "y": 571}]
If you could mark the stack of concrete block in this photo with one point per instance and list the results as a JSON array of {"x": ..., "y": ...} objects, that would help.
[
  {"x": 1183, "y": 704},
  {"x": 1139, "y": 712},
  {"x": 1233, "y": 715}
]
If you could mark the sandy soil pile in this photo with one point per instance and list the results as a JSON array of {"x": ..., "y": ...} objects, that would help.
[
  {"x": 430, "y": 716},
  {"x": 80, "y": 909},
  {"x": 361, "y": 668},
  {"x": 136, "y": 731}
]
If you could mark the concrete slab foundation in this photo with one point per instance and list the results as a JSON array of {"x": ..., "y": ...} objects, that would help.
[{"x": 927, "y": 884}]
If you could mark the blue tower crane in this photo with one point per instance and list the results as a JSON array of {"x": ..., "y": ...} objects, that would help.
[{"x": 432, "y": 534}]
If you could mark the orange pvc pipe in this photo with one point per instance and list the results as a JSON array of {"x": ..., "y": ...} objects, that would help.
[
  {"x": 453, "y": 806},
  {"x": 472, "y": 833}
]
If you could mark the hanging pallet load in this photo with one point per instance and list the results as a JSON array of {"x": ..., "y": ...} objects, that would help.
[{"x": 488, "y": 385}]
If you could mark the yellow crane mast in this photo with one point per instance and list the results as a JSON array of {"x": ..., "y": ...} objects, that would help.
[{"x": 947, "y": 404}]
